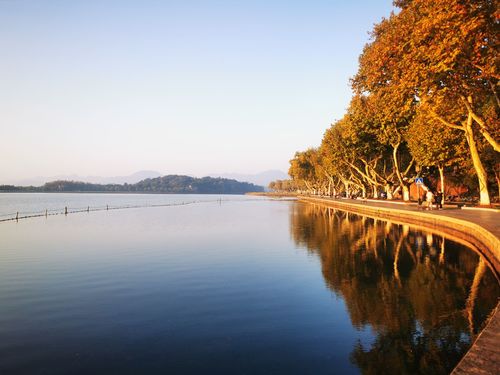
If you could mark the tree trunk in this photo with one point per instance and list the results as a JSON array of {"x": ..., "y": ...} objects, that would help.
[
  {"x": 471, "y": 300},
  {"x": 308, "y": 187},
  {"x": 441, "y": 254},
  {"x": 347, "y": 192},
  {"x": 375, "y": 192},
  {"x": 396, "y": 259},
  {"x": 406, "y": 193},
  {"x": 404, "y": 188},
  {"x": 482, "y": 125},
  {"x": 484, "y": 196},
  {"x": 441, "y": 178},
  {"x": 388, "y": 190},
  {"x": 497, "y": 177}
]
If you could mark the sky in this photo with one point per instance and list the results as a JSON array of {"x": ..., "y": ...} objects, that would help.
[{"x": 107, "y": 88}]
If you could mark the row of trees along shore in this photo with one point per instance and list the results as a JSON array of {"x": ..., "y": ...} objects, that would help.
[{"x": 425, "y": 102}]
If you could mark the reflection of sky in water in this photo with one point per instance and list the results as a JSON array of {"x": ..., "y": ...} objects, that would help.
[{"x": 185, "y": 289}]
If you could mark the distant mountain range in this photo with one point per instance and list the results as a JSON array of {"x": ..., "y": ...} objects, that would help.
[
  {"x": 130, "y": 179},
  {"x": 172, "y": 184},
  {"x": 261, "y": 179}
]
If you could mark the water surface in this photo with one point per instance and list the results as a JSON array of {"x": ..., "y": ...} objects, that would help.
[
  {"x": 235, "y": 287},
  {"x": 55, "y": 203}
]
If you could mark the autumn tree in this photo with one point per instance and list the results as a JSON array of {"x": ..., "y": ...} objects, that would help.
[
  {"x": 434, "y": 145},
  {"x": 392, "y": 108},
  {"x": 335, "y": 158},
  {"x": 441, "y": 56},
  {"x": 305, "y": 168},
  {"x": 426, "y": 88},
  {"x": 373, "y": 159}
]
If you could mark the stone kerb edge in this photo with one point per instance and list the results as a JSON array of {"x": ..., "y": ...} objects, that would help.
[{"x": 485, "y": 242}]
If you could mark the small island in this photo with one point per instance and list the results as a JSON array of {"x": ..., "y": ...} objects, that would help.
[{"x": 170, "y": 184}]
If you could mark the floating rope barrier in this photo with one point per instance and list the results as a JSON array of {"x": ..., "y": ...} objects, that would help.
[{"x": 73, "y": 210}]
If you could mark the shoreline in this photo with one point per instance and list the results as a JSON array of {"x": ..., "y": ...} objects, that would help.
[
  {"x": 469, "y": 205},
  {"x": 483, "y": 235}
]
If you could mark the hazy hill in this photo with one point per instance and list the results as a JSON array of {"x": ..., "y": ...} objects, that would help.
[
  {"x": 130, "y": 179},
  {"x": 261, "y": 179}
]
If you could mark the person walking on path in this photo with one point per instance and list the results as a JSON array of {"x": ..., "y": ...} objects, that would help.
[
  {"x": 429, "y": 197},
  {"x": 439, "y": 200}
]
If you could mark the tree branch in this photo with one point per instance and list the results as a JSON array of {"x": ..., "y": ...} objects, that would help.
[
  {"x": 444, "y": 122},
  {"x": 482, "y": 125},
  {"x": 492, "y": 86},
  {"x": 409, "y": 166}
]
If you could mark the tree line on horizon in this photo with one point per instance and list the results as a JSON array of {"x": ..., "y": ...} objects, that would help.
[
  {"x": 425, "y": 104},
  {"x": 173, "y": 184}
]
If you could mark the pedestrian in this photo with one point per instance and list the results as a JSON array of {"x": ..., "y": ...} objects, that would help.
[
  {"x": 429, "y": 197},
  {"x": 439, "y": 200}
]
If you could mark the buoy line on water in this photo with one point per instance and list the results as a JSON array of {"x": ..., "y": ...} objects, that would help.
[{"x": 16, "y": 216}]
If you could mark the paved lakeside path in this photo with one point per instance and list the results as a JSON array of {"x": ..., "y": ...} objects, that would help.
[
  {"x": 488, "y": 219},
  {"x": 481, "y": 227}
]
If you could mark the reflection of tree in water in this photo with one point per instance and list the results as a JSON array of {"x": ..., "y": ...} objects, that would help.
[{"x": 423, "y": 296}]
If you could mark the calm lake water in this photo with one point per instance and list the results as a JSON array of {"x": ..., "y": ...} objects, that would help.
[
  {"x": 231, "y": 285},
  {"x": 32, "y": 204}
]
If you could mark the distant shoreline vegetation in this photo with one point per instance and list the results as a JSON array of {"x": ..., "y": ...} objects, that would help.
[{"x": 171, "y": 184}]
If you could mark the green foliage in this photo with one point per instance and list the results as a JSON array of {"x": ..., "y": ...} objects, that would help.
[{"x": 173, "y": 184}]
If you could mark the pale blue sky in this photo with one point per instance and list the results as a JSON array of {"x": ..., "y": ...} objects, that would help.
[{"x": 191, "y": 87}]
